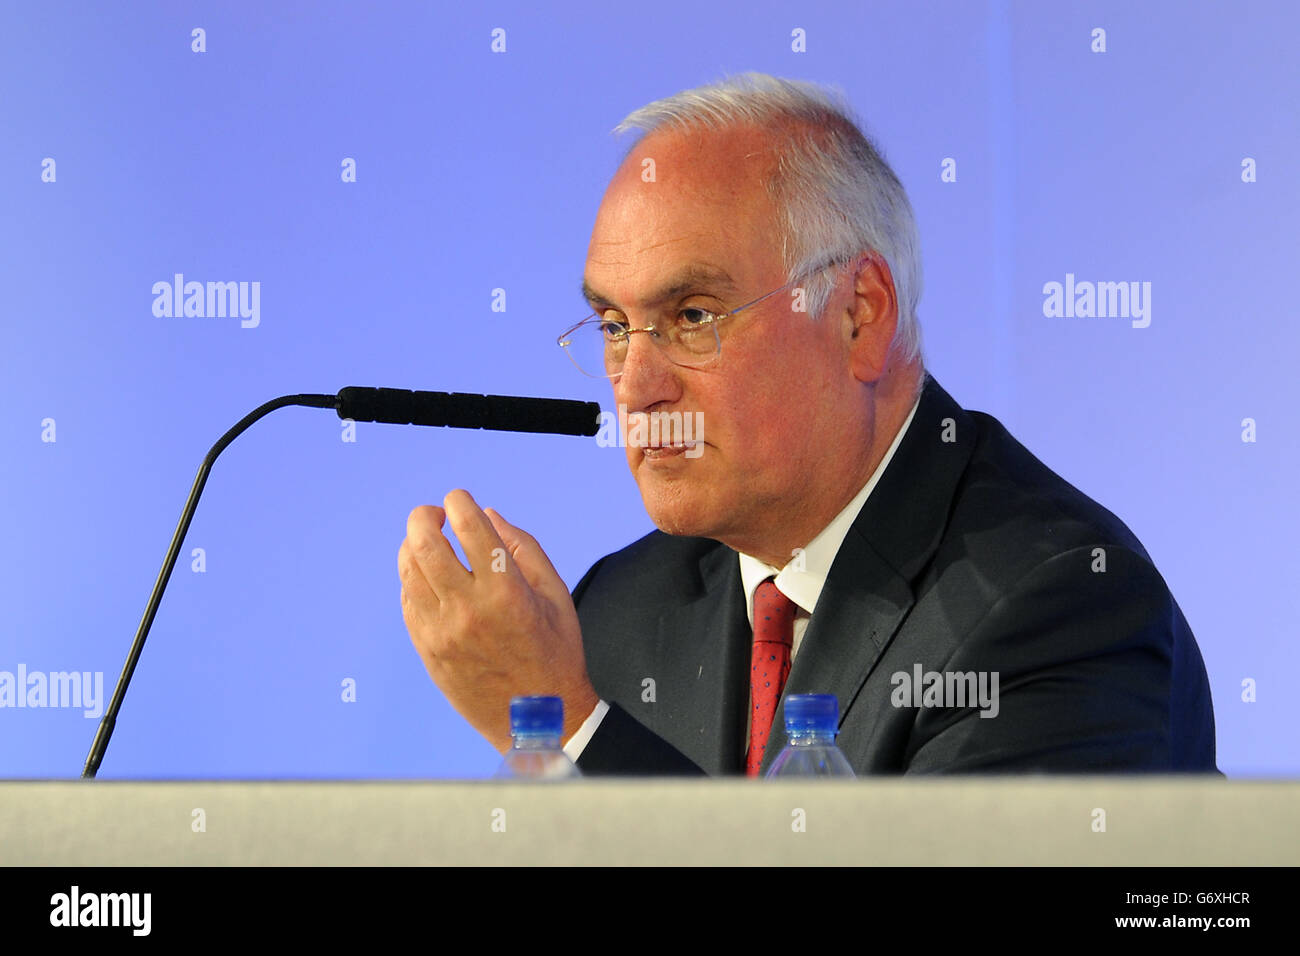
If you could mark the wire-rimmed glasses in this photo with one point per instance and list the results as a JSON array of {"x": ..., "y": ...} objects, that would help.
[{"x": 598, "y": 346}]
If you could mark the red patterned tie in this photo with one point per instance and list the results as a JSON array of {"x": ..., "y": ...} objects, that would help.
[{"x": 773, "y": 639}]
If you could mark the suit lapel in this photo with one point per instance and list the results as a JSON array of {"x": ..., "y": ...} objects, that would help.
[
  {"x": 861, "y": 606},
  {"x": 705, "y": 645},
  {"x": 868, "y": 592}
]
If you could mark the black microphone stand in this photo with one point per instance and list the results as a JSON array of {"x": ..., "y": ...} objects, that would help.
[
  {"x": 391, "y": 405},
  {"x": 119, "y": 694}
]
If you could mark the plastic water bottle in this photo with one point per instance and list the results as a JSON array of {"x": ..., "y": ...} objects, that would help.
[
  {"x": 537, "y": 724},
  {"x": 811, "y": 722}
]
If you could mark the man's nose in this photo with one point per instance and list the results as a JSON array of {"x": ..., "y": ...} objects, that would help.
[{"x": 649, "y": 376}]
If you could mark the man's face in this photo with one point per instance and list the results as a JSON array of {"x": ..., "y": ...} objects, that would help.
[{"x": 782, "y": 385}]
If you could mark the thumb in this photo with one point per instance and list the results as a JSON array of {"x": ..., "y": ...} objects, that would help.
[{"x": 528, "y": 555}]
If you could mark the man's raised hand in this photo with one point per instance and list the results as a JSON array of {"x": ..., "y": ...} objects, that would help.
[{"x": 506, "y": 627}]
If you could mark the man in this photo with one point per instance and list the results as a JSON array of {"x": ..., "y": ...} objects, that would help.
[{"x": 754, "y": 263}]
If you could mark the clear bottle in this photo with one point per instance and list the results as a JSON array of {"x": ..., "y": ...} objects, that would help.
[
  {"x": 537, "y": 724},
  {"x": 811, "y": 722}
]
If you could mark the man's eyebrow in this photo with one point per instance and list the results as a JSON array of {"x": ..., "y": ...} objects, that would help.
[{"x": 693, "y": 278}]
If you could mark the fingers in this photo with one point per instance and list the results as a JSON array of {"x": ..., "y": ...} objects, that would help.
[
  {"x": 532, "y": 561},
  {"x": 426, "y": 554},
  {"x": 485, "y": 538},
  {"x": 419, "y": 604},
  {"x": 477, "y": 535}
]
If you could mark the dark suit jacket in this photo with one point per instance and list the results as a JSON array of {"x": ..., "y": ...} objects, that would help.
[{"x": 969, "y": 556}]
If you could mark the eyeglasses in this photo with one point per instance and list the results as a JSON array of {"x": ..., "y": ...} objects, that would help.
[{"x": 598, "y": 346}]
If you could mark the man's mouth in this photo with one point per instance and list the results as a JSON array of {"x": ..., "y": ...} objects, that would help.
[
  {"x": 664, "y": 435},
  {"x": 690, "y": 449}
]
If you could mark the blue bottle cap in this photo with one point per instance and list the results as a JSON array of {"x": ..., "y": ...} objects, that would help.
[
  {"x": 812, "y": 714},
  {"x": 537, "y": 716}
]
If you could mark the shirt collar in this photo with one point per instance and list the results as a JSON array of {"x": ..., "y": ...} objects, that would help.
[{"x": 803, "y": 578}]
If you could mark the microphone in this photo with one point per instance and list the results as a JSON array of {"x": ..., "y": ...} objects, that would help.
[
  {"x": 391, "y": 405},
  {"x": 397, "y": 406}
]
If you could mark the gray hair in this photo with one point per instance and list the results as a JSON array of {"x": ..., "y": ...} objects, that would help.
[{"x": 835, "y": 191}]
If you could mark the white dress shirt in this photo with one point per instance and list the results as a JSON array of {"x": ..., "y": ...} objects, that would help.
[{"x": 801, "y": 580}]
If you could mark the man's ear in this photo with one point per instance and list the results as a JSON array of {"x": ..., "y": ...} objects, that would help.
[{"x": 871, "y": 318}]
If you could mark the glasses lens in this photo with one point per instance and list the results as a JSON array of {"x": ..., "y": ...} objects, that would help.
[
  {"x": 597, "y": 348},
  {"x": 695, "y": 337}
]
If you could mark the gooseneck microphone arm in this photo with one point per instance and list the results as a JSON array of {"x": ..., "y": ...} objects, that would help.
[
  {"x": 109, "y": 720},
  {"x": 391, "y": 405}
]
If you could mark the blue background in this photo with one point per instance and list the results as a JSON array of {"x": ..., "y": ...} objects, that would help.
[{"x": 479, "y": 170}]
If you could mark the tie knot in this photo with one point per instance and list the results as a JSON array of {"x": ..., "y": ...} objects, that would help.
[{"x": 773, "y": 614}]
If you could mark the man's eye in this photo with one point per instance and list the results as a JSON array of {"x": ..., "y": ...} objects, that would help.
[
  {"x": 613, "y": 330},
  {"x": 688, "y": 318}
]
